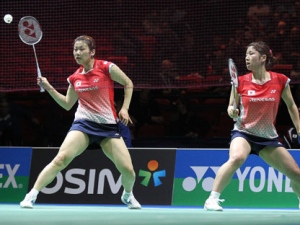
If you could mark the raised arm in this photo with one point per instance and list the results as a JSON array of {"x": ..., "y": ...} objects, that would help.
[{"x": 65, "y": 101}]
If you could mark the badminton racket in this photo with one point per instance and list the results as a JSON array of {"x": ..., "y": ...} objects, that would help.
[
  {"x": 31, "y": 33},
  {"x": 234, "y": 80}
]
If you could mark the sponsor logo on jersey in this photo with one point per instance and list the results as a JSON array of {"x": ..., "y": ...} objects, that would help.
[{"x": 262, "y": 99}]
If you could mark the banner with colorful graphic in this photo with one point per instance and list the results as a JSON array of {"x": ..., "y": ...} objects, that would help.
[
  {"x": 255, "y": 184},
  {"x": 93, "y": 179},
  {"x": 14, "y": 173}
]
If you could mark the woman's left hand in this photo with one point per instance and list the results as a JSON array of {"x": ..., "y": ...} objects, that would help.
[{"x": 124, "y": 117}]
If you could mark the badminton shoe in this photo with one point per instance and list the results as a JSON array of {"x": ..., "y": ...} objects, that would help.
[
  {"x": 130, "y": 201},
  {"x": 213, "y": 204},
  {"x": 28, "y": 201}
]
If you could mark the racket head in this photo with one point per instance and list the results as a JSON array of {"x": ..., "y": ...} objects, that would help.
[
  {"x": 233, "y": 72},
  {"x": 30, "y": 31}
]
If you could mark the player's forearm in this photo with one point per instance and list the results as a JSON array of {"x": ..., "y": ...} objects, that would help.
[
  {"x": 59, "y": 98},
  {"x": 294, "y": 114},
  {"x": 127, "y": 96}
]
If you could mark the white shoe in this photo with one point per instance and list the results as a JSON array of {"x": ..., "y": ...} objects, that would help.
[
  {"x": 28, "y": 201},
  {"x": 130, "y": 201},
  {"x": 213, "y": 204}
]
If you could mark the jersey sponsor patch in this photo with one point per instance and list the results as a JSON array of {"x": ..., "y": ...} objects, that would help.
[{"x": 251, "y": 92}]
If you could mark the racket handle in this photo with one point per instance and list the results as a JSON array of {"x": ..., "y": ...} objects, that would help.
[
  {"x": 234, "y": 107},
  {"x": 298, "y": 139},
  {"x": 40, "y": 75}
]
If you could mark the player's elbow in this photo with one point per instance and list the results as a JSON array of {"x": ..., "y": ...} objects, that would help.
[
  {"x": 128, "y": 84},
  {"x": 68, "y": 107}
]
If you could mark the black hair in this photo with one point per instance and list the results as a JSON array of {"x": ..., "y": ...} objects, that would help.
[
  {"x": 264, "y": 49},
  {"x": 88, "y": 40}
]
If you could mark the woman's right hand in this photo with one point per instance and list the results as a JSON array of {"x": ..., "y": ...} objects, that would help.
[
  {"x": 233, "y": 113},
  {"x": 42, "y": 81}
]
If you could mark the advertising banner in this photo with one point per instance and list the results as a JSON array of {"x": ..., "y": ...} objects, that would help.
[
  {"x": 93, "y": 179},
  {"x": 255, "y": 184},
  {"x": 14, "y": 173}
]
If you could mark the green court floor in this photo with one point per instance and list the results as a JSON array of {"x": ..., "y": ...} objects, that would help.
[{"x": 12, "y": 214}]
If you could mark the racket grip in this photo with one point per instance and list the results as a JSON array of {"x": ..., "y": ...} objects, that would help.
[
  {"x": 42, "y": 89},
  {"x": 40, "y": 75},
  {"x": 298, "y": 139}
]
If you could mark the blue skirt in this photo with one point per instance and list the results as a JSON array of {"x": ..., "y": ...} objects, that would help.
[
  {"x": 96, "y": 131},
  {"x": 256, "y": 143}
]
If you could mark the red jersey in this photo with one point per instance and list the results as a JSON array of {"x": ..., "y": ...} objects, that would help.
[
  {"x": 95, "y": 90},
  {"x": 259, "y": 104}
]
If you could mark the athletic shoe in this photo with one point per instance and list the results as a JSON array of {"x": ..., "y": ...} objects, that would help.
[
  {"x": 213, "y": 204},
  {"x": 130, "y": 201},
  {"x": 28, "y": 201}
]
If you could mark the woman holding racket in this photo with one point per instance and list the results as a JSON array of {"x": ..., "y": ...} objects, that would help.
[
  {"x": 92, "y": 85},
  {"x": 258, "y": 96}
]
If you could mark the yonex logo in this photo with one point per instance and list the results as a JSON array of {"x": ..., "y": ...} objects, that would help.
[
  {"x": 233, "y": 71},
  {"x": 190, "y": 183},
  {"x": 269, "y": 179},
  {"x": 29, "y": 29},
  {"x": 152, "y": 166}
]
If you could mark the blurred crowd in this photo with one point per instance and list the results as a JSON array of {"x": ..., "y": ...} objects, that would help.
[{"x": 171, "y": 43}]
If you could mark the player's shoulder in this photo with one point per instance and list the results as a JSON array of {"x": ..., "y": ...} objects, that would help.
[
  {"x": 76, "y": 73},
  {"x": 245, "y": 77},
  {"x": 102, "y": 63},
  {"x": 279, "y": 76}
]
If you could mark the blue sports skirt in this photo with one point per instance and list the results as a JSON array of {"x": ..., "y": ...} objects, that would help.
[
  {"x": 96, "y": 131},
  {"x": 256, "y": 143}
]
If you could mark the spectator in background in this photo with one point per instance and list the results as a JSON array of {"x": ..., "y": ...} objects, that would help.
[
  {"x": 146, "y": 111},
  {"x": 190, "y": 60},
  {"x": 11, "y": 117},
  {"x": 278, "y": 38},
  {"x": 283, "y": 6},
  {"x": 126, "y": 43},
  {"x": 261, "y": 12},
  {"x": 295, "y": 73},
  {"x": 168, "y": 74},
  {"x": 220, "y": 61},
  {"x": 186, "y": 123},
  {"x": 291, "y": 47},
  {"x": 10, "y": 128},
  {"x": 295, "y": 17}
]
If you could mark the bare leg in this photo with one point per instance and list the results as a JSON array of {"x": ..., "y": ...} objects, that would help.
[
  {"x": 116, "y": 150},
  {"x": 282, "y": 160},
  {"x": 238, "y": 153},
  {"x": 74, "y": 144}
]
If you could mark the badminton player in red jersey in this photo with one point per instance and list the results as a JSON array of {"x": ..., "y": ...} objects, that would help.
[
  {"x": 258, "y": 94},
  {"x": 92, "y": 85}
]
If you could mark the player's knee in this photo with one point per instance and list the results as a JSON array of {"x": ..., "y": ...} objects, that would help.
[
  {"x": 294, "y": 175},
  {"x": 237, "y": 160},
  {"x": 128, "y": 171},
  {"x": 61, "y": 161}
]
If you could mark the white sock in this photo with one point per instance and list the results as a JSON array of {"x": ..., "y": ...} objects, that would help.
[
  {"x": 34, "y": 192},
  {"x": 214, "y": 194}
]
